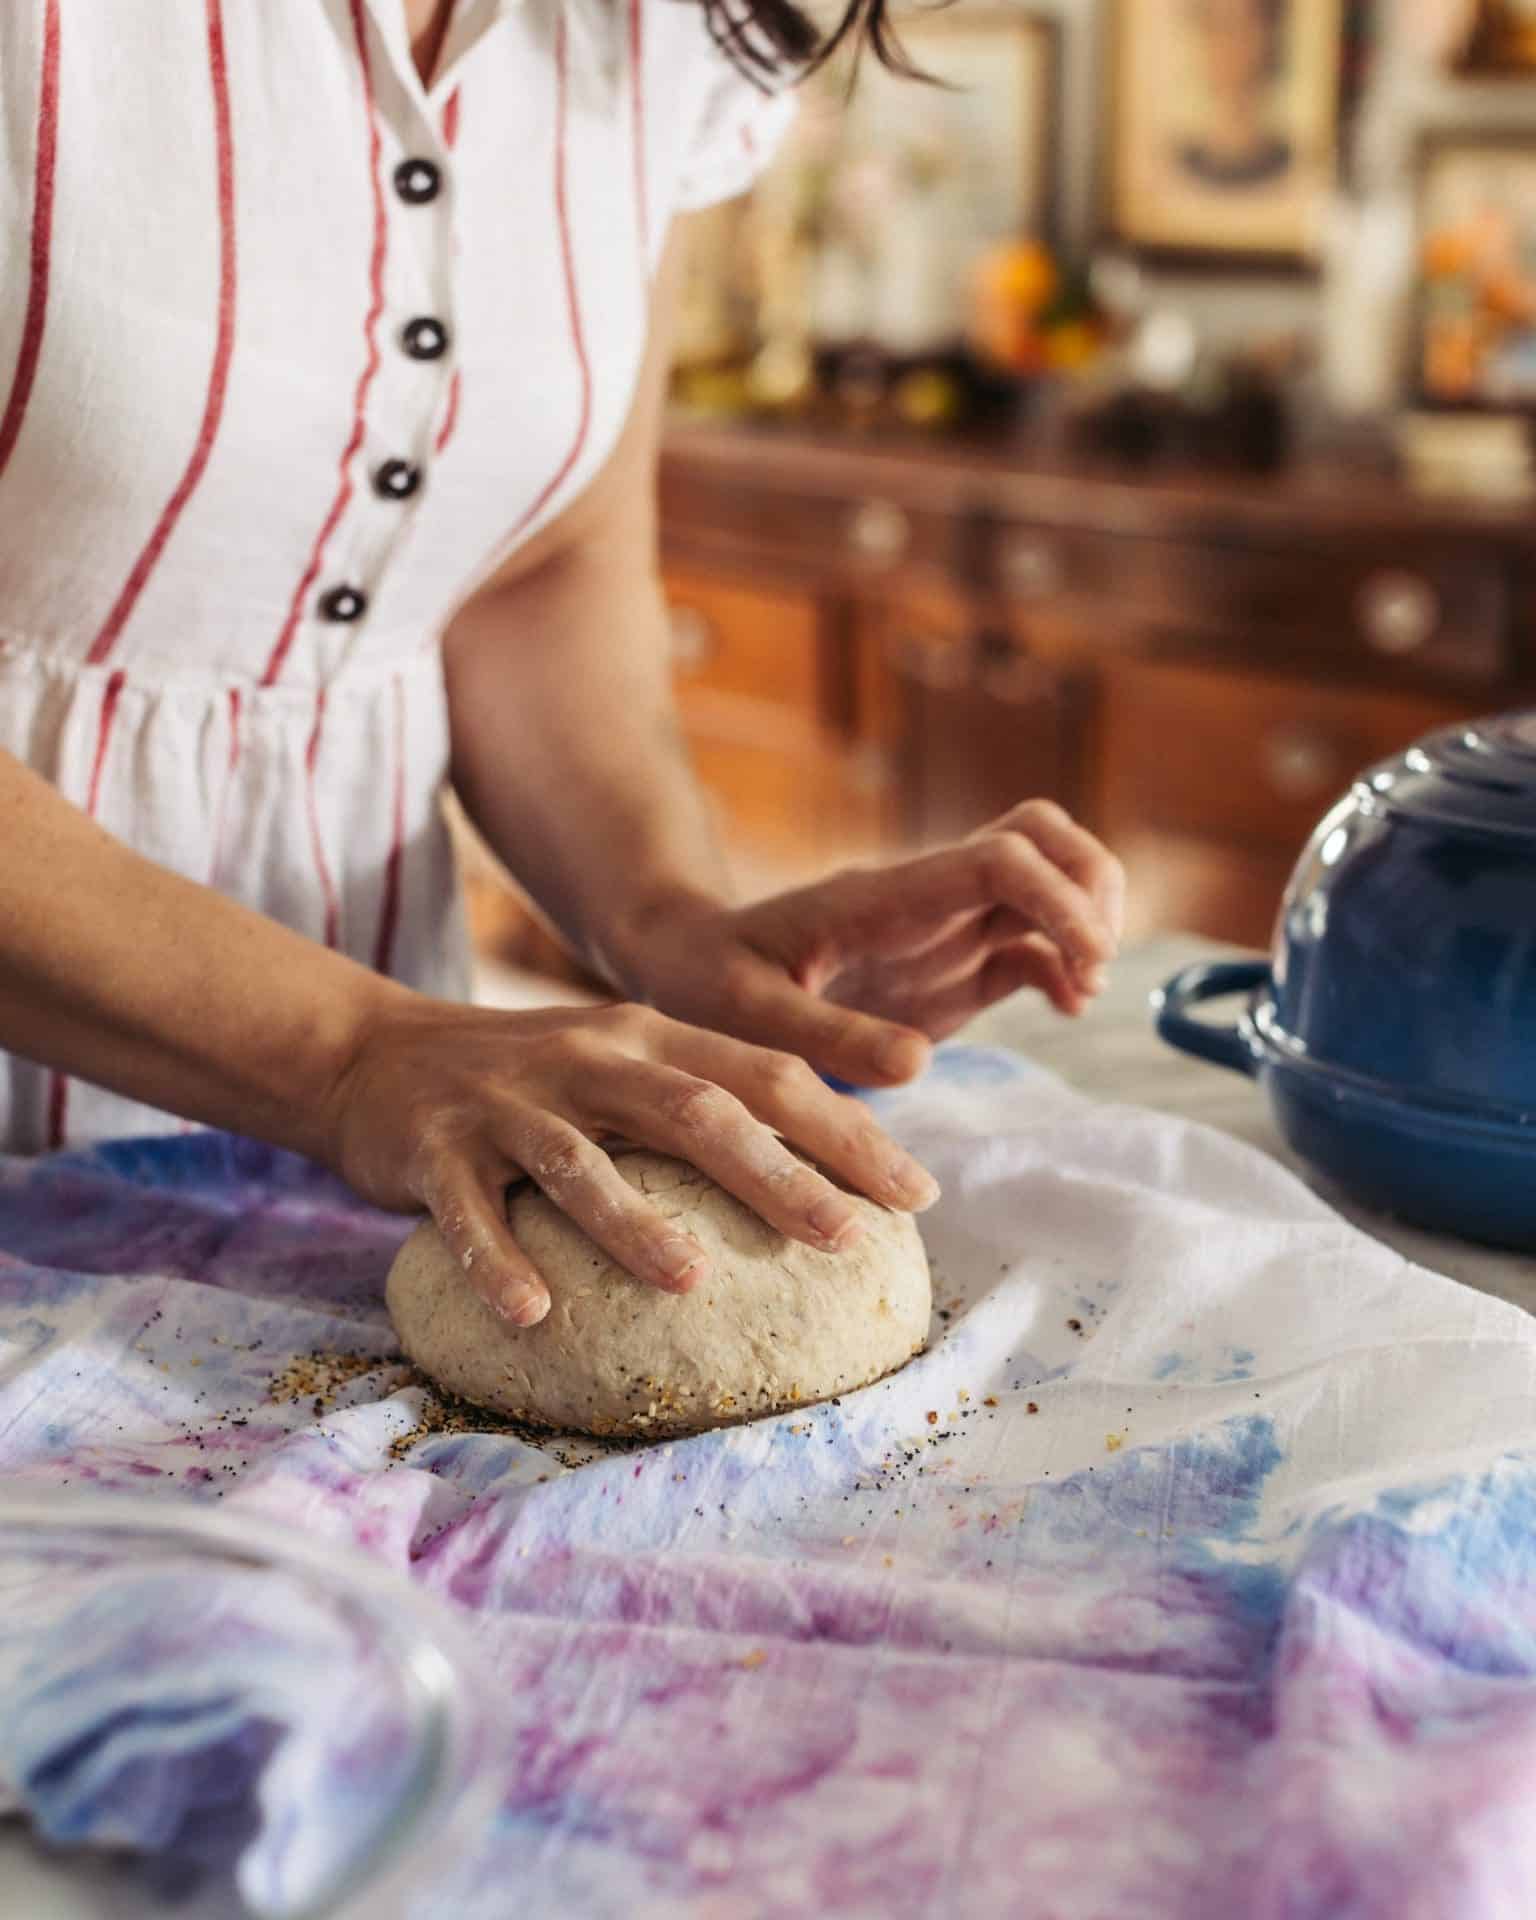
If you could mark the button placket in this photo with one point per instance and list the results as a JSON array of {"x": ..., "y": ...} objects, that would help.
[{"x": 395, "y": 476}]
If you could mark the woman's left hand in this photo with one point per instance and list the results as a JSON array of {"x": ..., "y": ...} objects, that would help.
[{"x": 860, "y": 972}]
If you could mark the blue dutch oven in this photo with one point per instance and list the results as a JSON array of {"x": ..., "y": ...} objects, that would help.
[{"x": 1394, "y": 1029}]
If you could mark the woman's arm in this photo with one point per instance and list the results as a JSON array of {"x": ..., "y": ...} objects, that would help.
[
  {"x": 115, "y": 970},
  {"x": 566, "y": 750},
  {"x": 567, "y": 755},
  {"x": 118, "y": 971}
]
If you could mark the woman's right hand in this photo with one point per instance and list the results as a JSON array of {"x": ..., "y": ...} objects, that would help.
[{"x": 445, "y": 1107}]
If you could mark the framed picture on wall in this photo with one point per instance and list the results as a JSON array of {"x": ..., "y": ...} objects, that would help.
[
  {"x": 1477, "y": 276},
  {"x": 895, "y": 188},
  {"x": 1224, "y": 127},
  {"x": 1502, "y": 39},
  {"x": 994, "y": 108}
]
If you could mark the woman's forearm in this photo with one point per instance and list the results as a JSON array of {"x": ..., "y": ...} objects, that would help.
[
  {"x": 567, "y": 752},
  {"x": 566, "y": 749},
  {"x": 119, "y": 971}
]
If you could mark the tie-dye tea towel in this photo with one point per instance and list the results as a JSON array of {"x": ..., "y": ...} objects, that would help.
[{"x": 1189, "y": 1575}]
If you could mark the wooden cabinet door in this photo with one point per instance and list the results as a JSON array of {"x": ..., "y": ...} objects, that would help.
[
  {"x": 976, "y": 723},
  {"x": 762, "y": 685},
  {"x": 1213, "y": 779}
]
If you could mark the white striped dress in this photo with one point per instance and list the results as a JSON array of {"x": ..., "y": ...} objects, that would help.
[{"x": 292, "y": 351}]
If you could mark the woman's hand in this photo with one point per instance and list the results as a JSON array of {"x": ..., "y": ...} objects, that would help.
[
  {"x": 858, "y": 973},
  {"x": 444, "y": 1107}
]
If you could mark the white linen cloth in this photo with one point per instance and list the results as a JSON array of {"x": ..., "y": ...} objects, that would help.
[{"x": 1191, "y": 1572}]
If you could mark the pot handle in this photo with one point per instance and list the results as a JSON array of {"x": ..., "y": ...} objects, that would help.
[{"x": 1226, "y": 1046}]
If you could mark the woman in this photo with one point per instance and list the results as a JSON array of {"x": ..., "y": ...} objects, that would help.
[{"x": 336, "y": 335}]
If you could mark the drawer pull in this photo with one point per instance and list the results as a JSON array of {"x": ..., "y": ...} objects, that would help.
[
  {"x": 694, "y": 641},
  {"x": 943, "y": 665},
  {"x": 871, "y": 769},
  {"x": 1301, "y": 766},
  {"x": 880, "y": 531},
  {"x": 1398, "y": 613},
  {"x": 1031, "y": 568}
]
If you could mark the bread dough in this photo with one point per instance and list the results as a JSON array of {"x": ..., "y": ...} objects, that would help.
[{"x": 775, "y": 1325}]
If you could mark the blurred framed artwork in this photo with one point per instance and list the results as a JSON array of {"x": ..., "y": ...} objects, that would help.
[
  {"x": 1502, "y": 39},
  {"x": 991, "y": 116},
  {"x": 1225, "y": 127},
  {"x": 1477, "y": 286},
  {"x": 893, "y": 189}
]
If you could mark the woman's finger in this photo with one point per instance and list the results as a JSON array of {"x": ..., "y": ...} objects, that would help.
[
  {"x": 1008, "y": 870},
  {"x": 1033, "y": 962},
  {"x": 467, "y": 1197},
  {"x": 898, "y": 987},
  {"x": 991, "y": 870},
  {"x": 837, "y": 1131},
  {"x": 582, "y": 1181},
  {"x": 1076, "y": 851},
  {"x": 851, "y": 1045},
  {"x": 697, "y": 1120}
]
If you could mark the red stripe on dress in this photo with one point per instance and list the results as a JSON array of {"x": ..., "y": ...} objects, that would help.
[
  {"x": 450, "y": 415},
  {"x": 572, "y": 303},
  {"x": 316, "y": 843},
  {"x": 637, "y": 129},
  {"x": 218, "y": 379},
  {"x": 231, "y": 767},
  {"x": 365, "y": 380},
  {"x": 58, "y": 1093},
  {"x": 389, "y": 908},
  {"x": 44, "y": 176}
]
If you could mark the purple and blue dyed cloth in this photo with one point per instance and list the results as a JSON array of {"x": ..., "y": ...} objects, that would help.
[{"x": 1191, "y": 1572}]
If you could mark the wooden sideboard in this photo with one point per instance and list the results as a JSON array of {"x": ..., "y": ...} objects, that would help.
[{"x": 879, "y": 645}]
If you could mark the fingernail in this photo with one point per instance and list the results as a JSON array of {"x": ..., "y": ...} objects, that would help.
[
  {"x": 680, "y": 1262},
  {"x": 834, "y": 1224},
  {"x": 922, "y": 1190},
  {"x": 910, "y": 1185},
  {"x": 899, "y": 1056},
  {"x": 523, "y": 1309},
  {"x": 1095, "y": 980}
]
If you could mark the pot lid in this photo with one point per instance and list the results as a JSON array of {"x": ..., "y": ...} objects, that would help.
[{"x": 1480, "y": 777}]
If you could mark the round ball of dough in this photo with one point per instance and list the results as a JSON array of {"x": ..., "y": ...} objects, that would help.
[{"x": 775, "y": 1325}]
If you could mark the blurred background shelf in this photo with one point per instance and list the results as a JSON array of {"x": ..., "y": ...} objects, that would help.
[
  {"x": 880, "y": 647},
  {"x": 1145, "y": 419}
]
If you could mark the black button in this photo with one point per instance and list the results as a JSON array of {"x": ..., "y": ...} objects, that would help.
[
  {"x": 418, "y": 181},
  {"x": 343, "y": 604},
  {"x": 396, "y": 480},
  {"x": 424, "y": 339}
]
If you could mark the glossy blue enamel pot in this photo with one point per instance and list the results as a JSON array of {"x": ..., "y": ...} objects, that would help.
[{"x": 1394, "y": 1026}]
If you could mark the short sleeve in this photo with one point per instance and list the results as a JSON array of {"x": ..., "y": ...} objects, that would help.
[{"x": 738, "y": 133}]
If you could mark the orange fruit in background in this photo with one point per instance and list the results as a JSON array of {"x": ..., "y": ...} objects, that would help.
[
  {"x": 1449, "y": 254},
  {"x": 1011, "y": 287},
  {"x": 1021, "y": 272},
  {"x": 1511, "y": 297},
  {"x": 1454, "y": 353},
  {"x": 1072, "y": 345}
]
